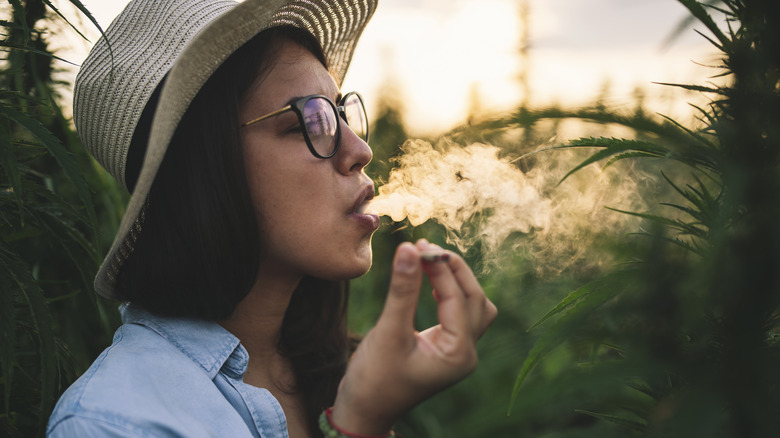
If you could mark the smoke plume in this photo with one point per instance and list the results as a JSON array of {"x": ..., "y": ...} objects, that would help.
[{"x": 483, "y": 198}]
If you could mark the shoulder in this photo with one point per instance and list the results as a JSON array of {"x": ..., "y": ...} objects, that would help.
[
  {"x": 74, "y": 425},
  {"x": 140, "y": 384}
]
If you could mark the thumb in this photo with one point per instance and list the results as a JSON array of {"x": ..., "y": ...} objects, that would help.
[{"x": 405, "y": 283}]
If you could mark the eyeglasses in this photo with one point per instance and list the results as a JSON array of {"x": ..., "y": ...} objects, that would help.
[{"x": 320, "y": 118}]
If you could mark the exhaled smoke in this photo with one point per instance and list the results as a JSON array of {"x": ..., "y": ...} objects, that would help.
[{"x": 483, "y": 198}]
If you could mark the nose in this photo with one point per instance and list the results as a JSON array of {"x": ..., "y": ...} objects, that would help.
[{"x": 354, "y": 154}]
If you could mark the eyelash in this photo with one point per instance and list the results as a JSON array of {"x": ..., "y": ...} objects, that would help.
[{"x": 297, "y": 128}]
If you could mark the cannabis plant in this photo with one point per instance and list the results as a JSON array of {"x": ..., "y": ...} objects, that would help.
[
  {"x": 51, "y": 324},
  {"x": 681, "y": 340}
]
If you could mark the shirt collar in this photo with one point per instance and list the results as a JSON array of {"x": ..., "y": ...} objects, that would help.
[{"x": 205, "y": 342}]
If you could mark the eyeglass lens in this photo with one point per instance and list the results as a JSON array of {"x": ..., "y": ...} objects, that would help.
[
  {"x": 322, "y": 124},
  {"x": 356, "y": 116}
]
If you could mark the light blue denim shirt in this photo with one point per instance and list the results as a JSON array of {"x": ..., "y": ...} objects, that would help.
[{"x": 169, "y": 377}]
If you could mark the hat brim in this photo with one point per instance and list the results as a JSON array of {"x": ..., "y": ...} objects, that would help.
[{"x": 337, "y": 25}]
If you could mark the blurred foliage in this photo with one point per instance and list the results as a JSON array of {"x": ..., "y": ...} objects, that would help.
[
  {"x": 680, "y": 340},
  {"x": 57, "y": 212},
  {"x": 690, "y": 326}
]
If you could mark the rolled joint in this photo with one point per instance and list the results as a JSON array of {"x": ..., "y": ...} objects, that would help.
[{"x": 434, "y": 256}]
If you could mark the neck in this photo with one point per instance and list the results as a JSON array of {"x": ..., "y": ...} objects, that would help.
[{"x": 257, "y": 323}]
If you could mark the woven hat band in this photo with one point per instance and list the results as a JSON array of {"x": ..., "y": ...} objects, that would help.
[{"x": 123, "y": 69}]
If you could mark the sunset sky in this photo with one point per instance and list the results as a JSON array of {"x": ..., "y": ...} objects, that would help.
[{"x": 441, "y": 52}]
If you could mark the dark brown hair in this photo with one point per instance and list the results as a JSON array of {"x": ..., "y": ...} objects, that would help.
[{"x": 198, "y": 251}]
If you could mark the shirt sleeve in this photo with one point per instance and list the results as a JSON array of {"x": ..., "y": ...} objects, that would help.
[{"x": 75, "y": 426}]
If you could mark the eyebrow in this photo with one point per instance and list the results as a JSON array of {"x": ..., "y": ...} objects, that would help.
[{"x": 294, "y": 99}]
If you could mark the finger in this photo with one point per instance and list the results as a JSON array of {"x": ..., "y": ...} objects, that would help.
[
  {"x": 453, "y": 314},
  {"x": 439, "y": 261},
  {"x": 489, "y": 315},
  {"x": 405, "y": 284},
  {"x": 482, "y": 312},
  {"x": 464, "y": 276}
]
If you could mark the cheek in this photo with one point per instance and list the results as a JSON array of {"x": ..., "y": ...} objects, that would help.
[
  {"x": 302, "y": 214},
  {"x": 291, "y": 198}
]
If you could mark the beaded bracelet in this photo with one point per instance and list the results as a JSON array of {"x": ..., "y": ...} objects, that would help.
[{"x": 332, "y": 431}]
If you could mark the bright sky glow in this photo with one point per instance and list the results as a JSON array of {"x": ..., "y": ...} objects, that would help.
[{"x": 441, "y": 51}]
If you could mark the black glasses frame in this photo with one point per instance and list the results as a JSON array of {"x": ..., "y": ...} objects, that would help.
[{"x": 338, "y": 110}]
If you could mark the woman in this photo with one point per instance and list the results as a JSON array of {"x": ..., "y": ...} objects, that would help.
[{"x": 245, "y": 163}]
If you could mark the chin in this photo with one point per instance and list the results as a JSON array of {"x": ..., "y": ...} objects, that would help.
[
  {"x": 354, "y": 271},
  {"x": 361, "y": 271},
  {"x": 351, "y": 269}
]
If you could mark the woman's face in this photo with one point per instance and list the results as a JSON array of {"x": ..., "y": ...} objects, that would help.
[{"x": 308, "y": 208}]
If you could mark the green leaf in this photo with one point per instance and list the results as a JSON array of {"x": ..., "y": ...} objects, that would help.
[
  {"x": 687, "y": 195},
  {"x": 9, "y": 164},
  {"x": 681, "y": 227},
  {"x": 565, "y": 303},
  {"x": 57, "y": 11},
  {"x": 32, "y": 50},
  {"x": 19, "y": 17},
  {"x": 579, "y": 306},
  {"x": 701, "y": 14},
  {"x": 710, "y": 119},
  {"x": 32, "y": 295},
  {"x": 687, "y": 210},
  {"x": 10, "y": 24},
  {"x": 690, "y": 132},
  {"x": 630, "y": 423},
  {"x": 47, "y": 347},
  {"x": 60, "y": 228},
  {"x": 58, "y": 151},
  {"x": 80, "y": 6},
  {"x": 7, "y": 330},
  {"x": 696, "y": 249},
  {"x": 11, "y": 94},
  {"x": 690, "y": 87},
  {"x": 626, "y": 155},
  {"x": 611, "y": 146},
  {"x": 655, "y": 218}
]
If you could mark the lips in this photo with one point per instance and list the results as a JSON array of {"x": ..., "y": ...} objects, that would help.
[
  {"x": 369, "y": 221},
  {"x": 362, "y": 200}
]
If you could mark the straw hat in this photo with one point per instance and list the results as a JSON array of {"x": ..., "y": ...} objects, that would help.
[{"x": 186, "y": 40}]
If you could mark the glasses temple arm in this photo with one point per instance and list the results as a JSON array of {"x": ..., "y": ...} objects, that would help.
[{"x": 267, "y": 116}]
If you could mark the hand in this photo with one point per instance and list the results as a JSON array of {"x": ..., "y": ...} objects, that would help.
[{"x": 396, "y": 367}]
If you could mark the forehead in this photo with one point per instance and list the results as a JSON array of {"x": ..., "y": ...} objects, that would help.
[{"x": 295, "y": 72}]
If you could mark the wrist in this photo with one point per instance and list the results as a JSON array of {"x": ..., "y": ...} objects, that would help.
[{"x": 345, "y": 429}]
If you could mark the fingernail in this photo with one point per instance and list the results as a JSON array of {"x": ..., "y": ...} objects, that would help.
[{"x": 405, "y": 260}]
